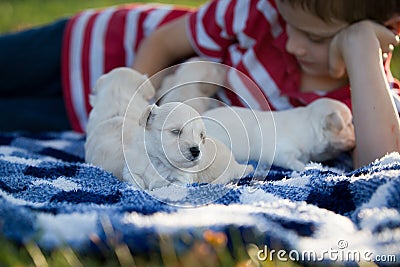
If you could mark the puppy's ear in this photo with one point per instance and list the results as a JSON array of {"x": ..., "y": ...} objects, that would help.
[
  {"x": 333, "y": 122},
  {"x": 147, "y": 116}
]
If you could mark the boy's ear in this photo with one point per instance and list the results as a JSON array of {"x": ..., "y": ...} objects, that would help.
[{"x": 394, "y": 23}]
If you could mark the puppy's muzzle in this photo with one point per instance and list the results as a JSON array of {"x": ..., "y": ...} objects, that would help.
[{"x": 195, "y": 152}]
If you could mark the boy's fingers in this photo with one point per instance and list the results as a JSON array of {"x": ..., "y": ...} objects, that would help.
[{"x": 387, "y": 39}]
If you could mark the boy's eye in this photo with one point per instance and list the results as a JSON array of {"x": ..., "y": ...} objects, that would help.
[{"x": 317, "y": 39}]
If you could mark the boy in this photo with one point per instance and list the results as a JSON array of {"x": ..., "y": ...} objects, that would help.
[
  {"x": 332, "y": 43},
  {"x": 295, "y": 50}
]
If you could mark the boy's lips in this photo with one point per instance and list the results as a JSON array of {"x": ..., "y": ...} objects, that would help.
[{"x": 305, "y": 63}]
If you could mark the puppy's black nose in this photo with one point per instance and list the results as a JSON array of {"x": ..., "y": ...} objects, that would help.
[{"x": 195, "y": 151}]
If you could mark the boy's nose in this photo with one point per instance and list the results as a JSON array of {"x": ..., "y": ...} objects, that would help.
[
  {"x": 295, "y": 46},
  {"x": 295, "y": 43}
]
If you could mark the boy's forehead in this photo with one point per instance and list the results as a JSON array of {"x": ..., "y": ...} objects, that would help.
[{"x": 308, "y": 22}]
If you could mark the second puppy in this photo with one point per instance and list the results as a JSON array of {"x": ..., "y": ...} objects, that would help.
[
  {"x": 110, "y": 98},
  {"x": 288, "y": 139},
  {"x": 193, "y": 82}
]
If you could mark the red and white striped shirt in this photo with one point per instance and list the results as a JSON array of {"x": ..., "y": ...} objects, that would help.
[
  {"x": 97, "y": 41},
  {"x": 248, "y": 35}
]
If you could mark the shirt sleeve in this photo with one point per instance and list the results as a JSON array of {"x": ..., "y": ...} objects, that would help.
[{"x": 210, "y": 28}]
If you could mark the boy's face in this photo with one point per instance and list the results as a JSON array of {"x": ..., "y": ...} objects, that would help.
[{"x": 309, "y": 38}]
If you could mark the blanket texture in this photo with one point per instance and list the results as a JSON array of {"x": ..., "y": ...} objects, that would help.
[{"x": 327, "y": 212}]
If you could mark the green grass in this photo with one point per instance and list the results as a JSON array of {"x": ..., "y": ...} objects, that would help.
[
  {"x": 209, "y": 251},
  {"x": 20, "y": 14},
  {"x": 395, "y": 63}
]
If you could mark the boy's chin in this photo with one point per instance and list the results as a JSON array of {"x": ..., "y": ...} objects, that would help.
[{"x": 315, "y": 71}]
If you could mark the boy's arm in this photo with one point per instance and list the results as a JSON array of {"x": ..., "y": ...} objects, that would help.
[
  {"x": 376, "y": 122},
  {"x": 164, "y": 47}
]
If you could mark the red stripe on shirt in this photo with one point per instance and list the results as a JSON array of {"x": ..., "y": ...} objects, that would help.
[
  {"x": 176, "y": 13},
  {"x": 65, "y": 71},
  {"x": 251, "y": 87},
  {"x": 229, "y": 18},
  {"x": 140, "y": 29},
  {"x": 86, "y": 59},
  {"x": 209, "y": 16},
  {"x": 114, "y": 54}
]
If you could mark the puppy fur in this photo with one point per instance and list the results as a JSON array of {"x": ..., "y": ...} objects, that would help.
[
  {"x": 113, "y": 92},
  {"x": 163, "y": 150},
  {"x": 111, "y": 96},
  {"x": 193, "y": 83},
  {"x": 227, "y": 168},
  {"x": 290, "y": 138},
  {"x": 163, "y": 144}
]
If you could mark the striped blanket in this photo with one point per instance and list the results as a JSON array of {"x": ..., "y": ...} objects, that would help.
[{"x": 326, "y": 212}]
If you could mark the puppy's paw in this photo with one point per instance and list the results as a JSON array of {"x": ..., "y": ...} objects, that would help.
[
  {"x": 127, "y": 177},
  {"x": 295, "y": 165},
  {"x": 248, "y": 169},
  {"x": 240, "y": 170}
]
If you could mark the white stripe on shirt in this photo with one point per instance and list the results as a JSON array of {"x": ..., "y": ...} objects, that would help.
[
  {"x": 155, "y": 17},
  {"x": 265, "y": 81},
  {"x": 220, "y": 17},
  {"x": 97, "y": 45},
  {"x": 202, "y": 37},
  {"x": 131, "y": 31},
  {"x": 241, "y": 90},
  {"x": 241, "y": 13},
  {"x": 75, "y": 71},
  {"x": 235, "y": 54},
  {"x": 239, "y": 23},
  {"x": 270, "y": 14}
]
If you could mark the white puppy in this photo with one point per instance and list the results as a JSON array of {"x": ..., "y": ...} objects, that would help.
[
  {"x": 193, "y": 83},
  {"x": 110, "y": 98},
  {"x": 113, "y": 92},
  {"x": 163, "y": 144},
  {"x": 290, "y": 138},
  {"x": 171, "y": 147}
]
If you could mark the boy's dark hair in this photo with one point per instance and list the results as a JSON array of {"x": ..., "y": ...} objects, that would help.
[{"x": 349, "y": 10}]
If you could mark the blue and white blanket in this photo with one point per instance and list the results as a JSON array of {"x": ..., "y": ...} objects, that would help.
[{"x": 49, "y": 195}]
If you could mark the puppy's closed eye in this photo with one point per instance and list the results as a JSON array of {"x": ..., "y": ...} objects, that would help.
[
  {"x": 176, "y": 131},
  {"x": 203, "y": 137}
]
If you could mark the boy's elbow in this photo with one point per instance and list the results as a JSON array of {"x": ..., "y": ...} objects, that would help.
[{"x": 166, "y": 46}]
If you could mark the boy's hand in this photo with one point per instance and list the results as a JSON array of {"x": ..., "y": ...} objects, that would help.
[{"x": 366, "y": 35}]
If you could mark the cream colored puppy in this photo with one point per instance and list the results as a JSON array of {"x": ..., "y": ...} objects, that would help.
[
  {"x": 170, "y": 147},
  {"x": 290, "y": 138},
  {"x": 112, "y": 93},
  {"x": 167, "y": 142},
  {"x": 193, "y": 82}
]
